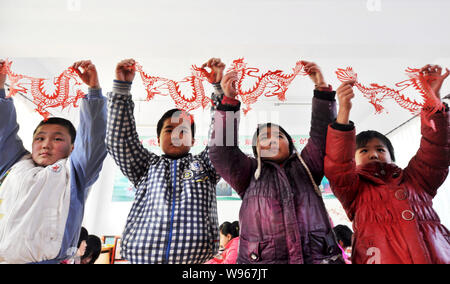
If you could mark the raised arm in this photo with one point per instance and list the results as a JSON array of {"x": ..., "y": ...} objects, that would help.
[
  {"x": 89, "y": 149},
  {"x": 322, "y": 114},
  {"x": 429, "y": 167},
  {"x": 339, "y": 165},
  {"x": 214, "y": 76},
  {"x": 11, "y": 146},
  {"x": 122, "y": 139},
  {"x": 230, "y": 162}
]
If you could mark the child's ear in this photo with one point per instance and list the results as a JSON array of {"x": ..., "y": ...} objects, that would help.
[
  {"x": 159, "y": 142},
  {"x": 193, "y": 142}
]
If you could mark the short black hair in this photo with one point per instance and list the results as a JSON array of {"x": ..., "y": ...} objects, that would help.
[
  {"x": 364, "y": 137},
  {"x": 175, "y": 113},
  {"x": 60, "y": 121},
  {"x": 344, "y": 234},
  {"x": 230, "y": 228},
  {"x": 264, "y": 125}
]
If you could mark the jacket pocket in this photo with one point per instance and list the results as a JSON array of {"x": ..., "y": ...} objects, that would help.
[
  {"x": 257, "y": 251},
  {"x": 323, "y": 245}
]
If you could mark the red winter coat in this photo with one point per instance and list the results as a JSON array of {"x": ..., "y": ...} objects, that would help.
[
  {"x": 391, "y": 209},
  {"x": 229, "y": 254}
]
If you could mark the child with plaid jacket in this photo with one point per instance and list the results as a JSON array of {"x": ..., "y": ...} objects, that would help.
[{"x": 173, "y": 218}]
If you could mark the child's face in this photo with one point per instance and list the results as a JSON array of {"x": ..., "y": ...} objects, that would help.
[
  {"x": 224, "y": 239},
  {"x": 175, "y": 138},
  {"x": 373, "y": 151},
  {"x": 51, "y": 143},
  {"x": 82, "y": 250},
  {"x": 273, "y": 145}
]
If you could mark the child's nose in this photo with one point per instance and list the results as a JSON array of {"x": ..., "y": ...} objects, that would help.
[
  {"x": 46, "y": 144},
  {"x": 374, "y": 155}
]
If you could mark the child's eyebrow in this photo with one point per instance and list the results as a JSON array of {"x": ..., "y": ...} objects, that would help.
[{"x": 46, "y": 133}]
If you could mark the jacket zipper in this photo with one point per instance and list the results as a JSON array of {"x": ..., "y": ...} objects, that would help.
[{"x": 174, "y": 188}]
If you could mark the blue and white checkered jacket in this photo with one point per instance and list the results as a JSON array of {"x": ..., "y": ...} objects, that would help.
[{"x": 173, "y": 218}]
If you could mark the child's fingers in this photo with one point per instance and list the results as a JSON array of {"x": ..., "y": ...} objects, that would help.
[
  {"x": 216, "y": 62},
  {"x": 2, "y": 66},
  {"x": 221, "y": 65},
  {"x": 77, "y": 71},
  {"x": 345, "y": 87},
  {"x": 127, "y": 62},
  {"x": 446, "y": 74},
  {"x": 85, "y": 65},
  {"x": 437, "y": 69},
  {"x": 233, "y": 76},
  {"x": 207, "y": 64},
  {"x": 350, "y": 84},
  {"x": 127, "y": 65},
  {"x": 211, "y": 62},
  {"x": 425, "y": 68},
  {"x": 311, "y": 67},
  {"x": 230, "y": 78},
  {"x": 346, "y": 94},
  {"x": 76, "y": 65}
]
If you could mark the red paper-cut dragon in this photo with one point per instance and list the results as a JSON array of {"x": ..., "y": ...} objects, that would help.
[
  {"x": 15, "y": 86},
  {"x": 166, "y": 87},
  {"x": 377, "y": 93},
  {"x": 269, "y": 84},
  {"x": 60, "y": 97}
]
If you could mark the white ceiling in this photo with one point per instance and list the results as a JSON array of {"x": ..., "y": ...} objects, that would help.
[{"x": 379, "y": 38}]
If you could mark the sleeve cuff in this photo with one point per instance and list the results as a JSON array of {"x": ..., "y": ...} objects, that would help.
[
  {"x": 229, "y": 104},
  {"x": 343, "y": 127},
  {"x": 327, "y": 95},
  {"x": 122, "y": 87},
  {"x": 217, "y": 89},
  {"x": 94, "y": 93}
]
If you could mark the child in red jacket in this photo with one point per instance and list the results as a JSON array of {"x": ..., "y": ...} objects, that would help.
[
  {"x": 229, "y": 244},
  {"x": 391, "y": 209}
]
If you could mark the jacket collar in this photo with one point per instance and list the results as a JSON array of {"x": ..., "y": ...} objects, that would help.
[
  {"x": 381, "y": 173},
  {"x": 173, "y": 158}
]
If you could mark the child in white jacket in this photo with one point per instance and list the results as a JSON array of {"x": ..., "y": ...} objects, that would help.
[{"x": 43, "y": 193}]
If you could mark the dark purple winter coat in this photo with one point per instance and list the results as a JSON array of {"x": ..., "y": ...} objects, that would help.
[{"x": 282, "y": 218}]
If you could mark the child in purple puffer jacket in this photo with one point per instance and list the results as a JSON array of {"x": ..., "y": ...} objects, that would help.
[{"x": 283, "y": 218}]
